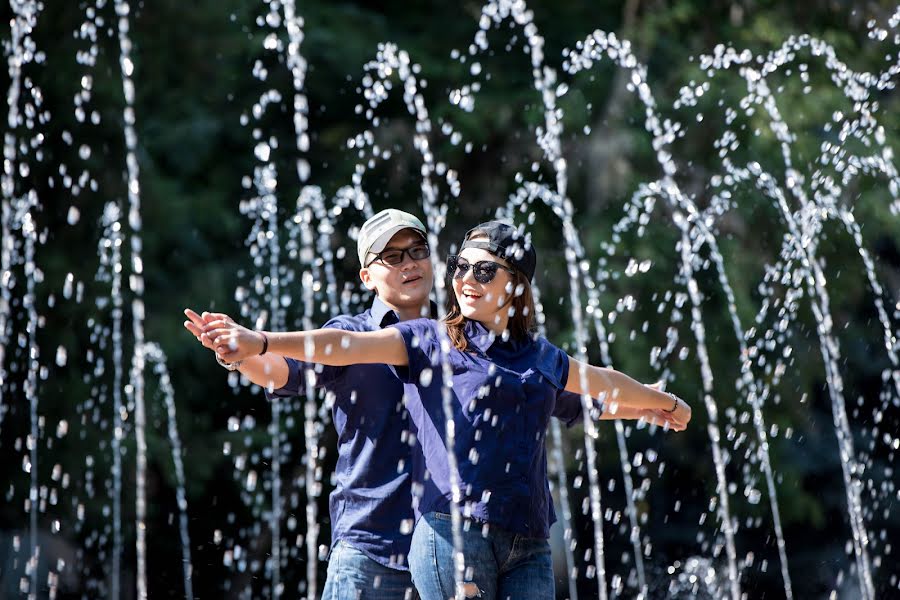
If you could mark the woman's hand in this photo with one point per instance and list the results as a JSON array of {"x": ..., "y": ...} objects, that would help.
[
  {"x": 681, "y": 414},
  {"x": 230, "y": 341},
  {"x": 196, "y": 323},
  {"x": 233, "y": 342},
  {"x": 676, "y": 419}
]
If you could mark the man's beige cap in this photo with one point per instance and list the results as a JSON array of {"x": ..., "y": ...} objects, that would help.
[{"x": 375, "y": 233}]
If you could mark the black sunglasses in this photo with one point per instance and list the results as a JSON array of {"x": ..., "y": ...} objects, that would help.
[
  {"x": 393, "y": 256},
  {"x": 484, "y": 271}
]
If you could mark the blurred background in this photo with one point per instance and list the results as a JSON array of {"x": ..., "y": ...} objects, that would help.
[{"x": 101, "y": 254}]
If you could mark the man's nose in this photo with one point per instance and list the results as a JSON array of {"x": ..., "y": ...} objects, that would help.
[{"x": 408, "y": 262}]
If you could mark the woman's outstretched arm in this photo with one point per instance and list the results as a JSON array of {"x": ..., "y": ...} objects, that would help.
[
  {"x": 622, "y": 393},
  {"x": 269, "y": 371},
  {"x": 233, "y": 342}
]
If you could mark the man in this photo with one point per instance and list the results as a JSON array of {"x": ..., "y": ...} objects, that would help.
[{"x": 371, "y": 505}]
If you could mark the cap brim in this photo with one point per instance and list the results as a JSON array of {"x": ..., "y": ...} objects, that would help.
[{"x": 382, "y": 241}]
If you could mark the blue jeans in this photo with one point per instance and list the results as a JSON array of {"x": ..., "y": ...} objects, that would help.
[
  {"x": 503, "y": 565},
  {"x": 354, "y": 576}
]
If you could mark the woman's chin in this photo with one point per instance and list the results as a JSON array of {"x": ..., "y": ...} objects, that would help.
[{"x": 469, "y": 312}]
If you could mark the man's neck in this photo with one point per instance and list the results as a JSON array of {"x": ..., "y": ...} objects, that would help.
[{"x": 414, "y": 312}]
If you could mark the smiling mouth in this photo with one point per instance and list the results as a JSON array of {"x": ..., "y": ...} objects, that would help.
[
  {"x": 412, "y": 279},
  {"x": 469, "y": 295}
]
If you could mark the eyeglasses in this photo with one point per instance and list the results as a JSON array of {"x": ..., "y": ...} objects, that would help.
[
  {"x": 394, "y": 256},
  {"x": 484, "y": 271}
]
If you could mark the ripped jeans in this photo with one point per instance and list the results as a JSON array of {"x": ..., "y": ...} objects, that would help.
[{"x": 499, "y": 566}]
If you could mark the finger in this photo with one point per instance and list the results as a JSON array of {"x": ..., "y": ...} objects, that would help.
[
  {"x": 217, "y": 324},
  {"x": 215, "y": 316},
  {"x": 227, "y": 344},
  {"x": 208, "y": 325},
  {"x": 207, "y": 343},
  {"x": 192, "y": 328},
  {"x": 194, "y": 317},
  {"x": 215, "y": 334},
  {"x": 670, "y": 419}
]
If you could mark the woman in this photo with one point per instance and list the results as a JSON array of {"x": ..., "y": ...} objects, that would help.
[{"x": 505, "y": 384}]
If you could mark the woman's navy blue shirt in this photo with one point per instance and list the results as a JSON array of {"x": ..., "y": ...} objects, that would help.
[{"x": 503, "y": 394}]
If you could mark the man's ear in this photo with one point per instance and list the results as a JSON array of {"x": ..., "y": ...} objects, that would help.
[{"x": 366, "y": 279}]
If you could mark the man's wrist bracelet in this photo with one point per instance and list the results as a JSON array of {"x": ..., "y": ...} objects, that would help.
[
  {"x": 674, "y": 406},
  {"x": 230, "y": 366},
  {"x": 265, "y": 347}
]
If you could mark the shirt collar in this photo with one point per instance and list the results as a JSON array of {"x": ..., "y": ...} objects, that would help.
[
  {"x": 383, "y": 315},
  {"x": 478, "y": 335},
  {"x": 482, "y": 338}
]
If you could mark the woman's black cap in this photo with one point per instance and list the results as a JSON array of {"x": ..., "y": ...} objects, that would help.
[{"x": 507, "y": 242}]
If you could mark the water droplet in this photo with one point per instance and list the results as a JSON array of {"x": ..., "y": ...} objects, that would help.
[{"x": 262, "y": 151}]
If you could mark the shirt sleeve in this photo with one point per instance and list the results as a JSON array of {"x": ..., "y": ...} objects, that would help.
[
  {"x": 553, "y": 364},
  {"x": 325, "y": 374},
  {"x": 568, "y": 408},
  {"x": 423, "y": 348}
]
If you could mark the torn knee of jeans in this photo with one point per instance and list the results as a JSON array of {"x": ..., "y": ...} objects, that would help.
[{"x": 469, "y": 590}]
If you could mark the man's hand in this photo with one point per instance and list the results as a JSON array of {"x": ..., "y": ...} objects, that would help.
[{"x": 661, "y": 418}]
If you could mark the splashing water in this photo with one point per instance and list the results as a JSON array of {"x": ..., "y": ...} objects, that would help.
[
  {"x": 157, "y": 357},
  {"x": 808, "y": 198}
]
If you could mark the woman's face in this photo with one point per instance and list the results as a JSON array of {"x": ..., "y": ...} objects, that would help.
[{"x": 484, "y": 302}]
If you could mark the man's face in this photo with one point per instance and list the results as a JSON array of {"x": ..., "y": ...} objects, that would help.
[{"x": 405, "y": 285}]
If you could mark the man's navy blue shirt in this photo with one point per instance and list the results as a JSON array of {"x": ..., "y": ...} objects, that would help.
[
  {"x": 371, "y": 503},
  {"x": 503, "y": 395}
]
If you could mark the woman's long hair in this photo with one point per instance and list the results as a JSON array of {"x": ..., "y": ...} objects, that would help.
[{"x": 521, "y": 322}]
